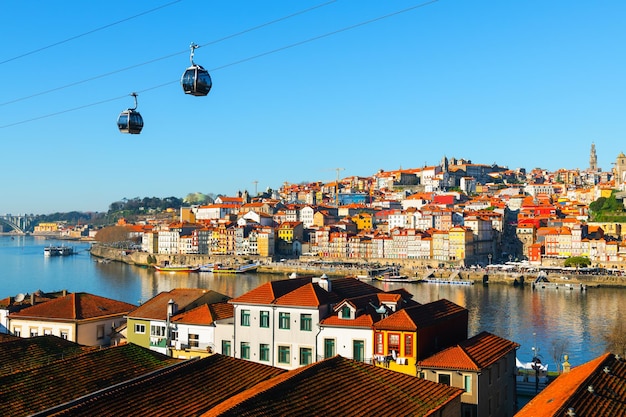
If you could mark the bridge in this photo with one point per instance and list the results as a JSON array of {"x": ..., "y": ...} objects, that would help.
[{"x": 19, "y": 223}]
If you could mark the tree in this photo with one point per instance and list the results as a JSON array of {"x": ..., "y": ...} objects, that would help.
[
  {"x": 616, "y": 338},
  {"x": 112, "y": 234},
  {"x": 577, "y": 261}
]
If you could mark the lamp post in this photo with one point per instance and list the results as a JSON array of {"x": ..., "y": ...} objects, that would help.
[
  {"x": 489, "y": 256},
  {"x": 170, "y": 313}
]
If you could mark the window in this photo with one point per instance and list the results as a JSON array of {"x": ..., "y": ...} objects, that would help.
[
  {"x": 306, "y": 354},
  {"x": 64, "y": 334},
  {"x": 194, "y": 340},
  {"x": 283, "y": 321},
  {"x": 444, "y": 379},
  {"x": 422, "y": 374},
  {"x": 306, "y": 322},
  {"x": 265, "y": 319},
  {"x": 467, "y": 383},
  {"x": 245, "y": 350},
  {"x": 158, "y": 331},
  {"x": 245, "y": 317},
  {"x": 358, "y": 350},
  {"x": 226, "y": 347},
  {"x": 34, "y": 332},
  {"x": 100, "y": 331},
  {"x": 345, "y": 312},
  {"x": 379, "y": 343},
  {"x": 17, "y": 331},
  {"x": 408, "y": 345},
  {"x": 329, "y": 348},
  {"x": 283, "y": 354},
  {"x": 264, "y": 352},
  {"x": 393, "y": 343},
  {"x": 47, "y": 332},
  {"x": 140, "y": 328}
]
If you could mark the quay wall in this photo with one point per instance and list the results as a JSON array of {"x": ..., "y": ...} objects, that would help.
[{"x": 352, "y": 267}]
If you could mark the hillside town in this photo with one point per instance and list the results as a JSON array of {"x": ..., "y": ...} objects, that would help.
[{"x": 455, "y": 214}]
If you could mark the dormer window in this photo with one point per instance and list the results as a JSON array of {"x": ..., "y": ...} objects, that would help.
[{"x": 345, "y": 312}]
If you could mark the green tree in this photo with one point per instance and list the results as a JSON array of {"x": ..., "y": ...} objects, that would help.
[{"x": 577, "y": 261}]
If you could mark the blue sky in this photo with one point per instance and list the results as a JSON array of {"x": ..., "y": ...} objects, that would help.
[{"x": 520, "y": 83}]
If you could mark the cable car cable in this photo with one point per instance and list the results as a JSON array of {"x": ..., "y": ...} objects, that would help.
[
  {"x": 427, "y": 3},
  {"x": 96, "y": 77},
  {"x": 43, "y": 48}
]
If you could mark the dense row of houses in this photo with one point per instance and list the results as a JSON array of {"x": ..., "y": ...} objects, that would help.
[{"x": 434, "y": 227}]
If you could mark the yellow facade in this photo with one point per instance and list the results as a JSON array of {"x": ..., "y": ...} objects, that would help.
[{"x": 396, "y": 350}]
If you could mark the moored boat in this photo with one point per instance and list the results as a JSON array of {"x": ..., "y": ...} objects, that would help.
[
  {"x": 176, "y": 268},
  {"x": 235, "y": 269},
  {"x": 58, "y": 250}
]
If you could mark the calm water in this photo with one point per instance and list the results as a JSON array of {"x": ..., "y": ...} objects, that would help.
[{"x": 530, "y": 318}]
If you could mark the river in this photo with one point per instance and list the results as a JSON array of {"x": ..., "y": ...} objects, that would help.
[{"x": 532, "y": 318}]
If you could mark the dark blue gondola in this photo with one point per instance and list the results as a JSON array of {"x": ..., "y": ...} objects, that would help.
[
  {"x": 130, "y": 121},
  {"x": 196, "y": 80}
]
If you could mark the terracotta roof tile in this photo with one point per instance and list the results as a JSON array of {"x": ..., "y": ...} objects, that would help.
[
  {"x": 205, "y": 314},
  {"x": 75, "y": 306},
  {"x": 365, "y": 390},
  {"x": 37, "y": 389},
  {"x": 473, "y": 354},
  {"x": 19, "y": 354},
  {"x": 412, "y": 318},
  {"x": 186, "y": 389},
  {"x": 185, "y": 299},
  {"x": 606, "y": 398}
]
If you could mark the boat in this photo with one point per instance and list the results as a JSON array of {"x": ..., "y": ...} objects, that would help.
[
  {"x": 447, "y": 281},
  {"x": 176, "y": 268},
  {"x": 395, "y": 278},
  {"x": 235, "y": 269},
  {"x": 206, "y": 268},
  {"x": 58, "y": 250},
  {"x": 542, "y": 282}
]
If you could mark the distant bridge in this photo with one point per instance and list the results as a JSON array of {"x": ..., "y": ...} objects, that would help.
[{"x": 19, "y": 223}]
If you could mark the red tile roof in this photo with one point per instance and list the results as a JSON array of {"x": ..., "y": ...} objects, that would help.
[
  {"x": 75, "y": 306},
  {"x": 186, "y": 389},
  {"x": 473, "y": 354},
  {"x": 595, "y": 388},
  {"x": 205, "y": 314},
  {"x": 20, "y": 354},
  {"x": 185, "y": 299},
  {"x": 413, "y": 318},
  {"x": 36, "y": 389},
  {"x": 342, "y": 387}
]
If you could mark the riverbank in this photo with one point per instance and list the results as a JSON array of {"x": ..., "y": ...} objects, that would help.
[{"x": 269, "y": 266}]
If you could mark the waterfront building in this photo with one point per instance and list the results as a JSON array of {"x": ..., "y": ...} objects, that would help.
[
  {"x": 148, "y": 324},
  {"x": 194, "y": 332},
  {"x": 414, "y": 333},
  {"x": 484, "y": 367},
  {"x": 80, "y": 317},
  {"x": 348, "y": 330},
  {"x": 277, "y": 323}
]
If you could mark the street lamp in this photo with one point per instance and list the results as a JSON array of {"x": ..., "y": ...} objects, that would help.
[{"x": 489, "y": 256}]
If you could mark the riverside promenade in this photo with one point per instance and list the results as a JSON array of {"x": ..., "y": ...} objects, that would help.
[{"x": 317, "y": 266}]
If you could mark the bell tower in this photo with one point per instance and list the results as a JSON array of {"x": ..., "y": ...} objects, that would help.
[{"x": 593, "y": 159}]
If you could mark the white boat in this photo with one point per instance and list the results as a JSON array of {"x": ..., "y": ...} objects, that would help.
[{"x": 58, "y": 250}]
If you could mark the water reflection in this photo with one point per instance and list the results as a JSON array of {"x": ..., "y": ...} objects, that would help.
[{"x": 534, "y": 317}]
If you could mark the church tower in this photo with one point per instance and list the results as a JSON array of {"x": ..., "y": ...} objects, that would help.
[
  {"x": 593, "y": 159},
  {"x": 620, "y": 170}
]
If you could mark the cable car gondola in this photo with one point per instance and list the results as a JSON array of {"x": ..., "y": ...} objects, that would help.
[
  {"x": 130, "y": 120},
  {"x": 196, "y": 80}
]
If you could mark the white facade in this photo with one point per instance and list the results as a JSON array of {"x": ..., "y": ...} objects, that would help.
[{"x": 88, "y": 333}]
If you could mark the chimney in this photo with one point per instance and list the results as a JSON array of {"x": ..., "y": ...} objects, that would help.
[
  {"x": 172, "y": 308},
  {"x": 324, "y": 283},
  {"x": 32, "y": 299},
  {"x": 64, "y": 293}
]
